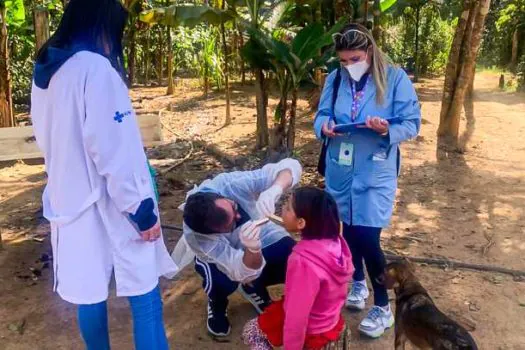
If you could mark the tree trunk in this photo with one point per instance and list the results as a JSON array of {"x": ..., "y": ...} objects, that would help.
[
  {"x": 170, "y": 90},
  {"x": 461, "y": 68},
  {"x": 206, "y": 80},
  {"x": 243, "y": 67},
  {"x": 365, "y": 13},
  {"x": 453, "y": 65},
  {"x": 502, "y": 81},
  {"x": 147, "y": 59},
  {"x": 6, "y": 102},
  {"x": 279, "y": 131},
  {"x": 514, "y": 55},
  {"x": 470, "y": 86},
  {"x": 160, "y": 65},
  {"x": 416, "y": 52},
  {"x": 132, "y": 54},
  {"x": 262, "y": 117},
  {"x": 344, "y": 9},
  {"x": 377, "y": 30},
  {"x": 228, "y": 120},
  {"x": 170, "y": 61},
  {"x": 290, "y": 142},
  {"x": 41, "y": 23}
]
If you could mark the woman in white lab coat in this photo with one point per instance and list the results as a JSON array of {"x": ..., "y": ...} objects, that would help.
[{"x": 99, "y": 196}]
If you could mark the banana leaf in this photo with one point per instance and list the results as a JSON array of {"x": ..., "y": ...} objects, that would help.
[
  {"x": 188, "y": 16},
  {"x": 16, "y": 12}
]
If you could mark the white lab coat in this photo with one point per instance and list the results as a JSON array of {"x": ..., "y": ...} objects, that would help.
[
  {"x": 85, "y": 126},
  {"x": 225, "y": 249}
]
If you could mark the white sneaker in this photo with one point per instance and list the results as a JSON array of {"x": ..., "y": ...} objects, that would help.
[
  {"x": 357, "y": 296},
  {"x": 377, "y": 321}
]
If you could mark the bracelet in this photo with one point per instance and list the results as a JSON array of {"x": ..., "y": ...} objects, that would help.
[{"x": 254, "y": 251}]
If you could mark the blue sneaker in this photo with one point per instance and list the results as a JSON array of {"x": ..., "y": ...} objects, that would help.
[
  {"x": 377, "y": 321},
  {"x": 258, "y": 297},
  {"x": 218, "y": 323},
  {"x": 357, "y": 296}
]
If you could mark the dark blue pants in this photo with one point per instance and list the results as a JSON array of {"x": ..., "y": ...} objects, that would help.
[
  {"x": 218, "y": 286},
  {"x": 365, "y": 245}
]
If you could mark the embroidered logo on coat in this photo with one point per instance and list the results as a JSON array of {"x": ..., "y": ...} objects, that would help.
[{"x": 120, "y": 116}]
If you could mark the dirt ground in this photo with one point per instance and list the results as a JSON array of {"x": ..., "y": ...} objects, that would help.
[{"x": 466, "y": 206}]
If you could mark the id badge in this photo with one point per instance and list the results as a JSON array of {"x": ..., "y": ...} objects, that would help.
[{"x": 346, "y": 154}]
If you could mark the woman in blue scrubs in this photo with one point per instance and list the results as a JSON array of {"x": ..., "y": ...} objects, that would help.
[{"x": 362, "y": 164}]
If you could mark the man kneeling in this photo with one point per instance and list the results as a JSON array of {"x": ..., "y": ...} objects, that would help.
[{"x": 231, "y": 251}]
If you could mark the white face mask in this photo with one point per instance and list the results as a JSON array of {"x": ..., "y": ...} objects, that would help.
[{"x": 357, "y": 70}]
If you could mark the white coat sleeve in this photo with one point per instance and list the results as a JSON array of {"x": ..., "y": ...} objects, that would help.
[
  {"x": 112, "y": 138},
  {"x": 242, "y": 184}
]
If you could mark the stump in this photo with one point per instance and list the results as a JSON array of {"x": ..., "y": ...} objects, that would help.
[{"x": 342, "y": 343}]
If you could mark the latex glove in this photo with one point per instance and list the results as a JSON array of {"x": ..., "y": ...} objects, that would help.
[
  {"x": 266, "y": 203},
  {"x": 250, "y": 236}
]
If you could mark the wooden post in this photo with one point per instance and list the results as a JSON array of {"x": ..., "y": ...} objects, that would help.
[{"x": 41, "y": 23}]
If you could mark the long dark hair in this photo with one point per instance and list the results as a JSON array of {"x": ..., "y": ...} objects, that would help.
[
  {"x": 92, "y": 25},
  {"x": 319, "y": 209}
]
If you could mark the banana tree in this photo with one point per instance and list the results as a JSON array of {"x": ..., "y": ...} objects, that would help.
[
  {"x": 185, "y": 15},
  {"x": 254, "y": 15},
  {"x": 188, "y": 16},
  {"x": 293, "y": 62}
]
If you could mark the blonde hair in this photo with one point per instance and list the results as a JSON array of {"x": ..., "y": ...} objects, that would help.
[{"x": 356, "y": 37}]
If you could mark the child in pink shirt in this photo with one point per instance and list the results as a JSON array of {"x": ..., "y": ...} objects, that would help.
[{"x": 318, "y": 272}]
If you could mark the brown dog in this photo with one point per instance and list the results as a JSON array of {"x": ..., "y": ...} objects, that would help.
[{"x": 417, "y": 318}]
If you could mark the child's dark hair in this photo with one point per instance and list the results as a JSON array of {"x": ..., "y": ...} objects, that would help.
[{"x": 319, "y": 210}]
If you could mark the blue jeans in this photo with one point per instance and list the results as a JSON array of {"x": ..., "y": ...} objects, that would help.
[{"x": 148, "y": 325}]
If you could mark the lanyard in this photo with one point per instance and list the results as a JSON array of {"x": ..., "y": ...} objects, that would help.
[{"x": 357, "y": 96}]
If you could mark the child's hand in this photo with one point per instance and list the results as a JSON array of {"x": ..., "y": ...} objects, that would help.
[{"x": 151, "y": 234}]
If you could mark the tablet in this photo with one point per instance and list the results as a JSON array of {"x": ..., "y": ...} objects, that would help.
[{"x": 352, "y": 127}]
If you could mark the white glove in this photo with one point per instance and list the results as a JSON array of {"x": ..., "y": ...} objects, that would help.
[
  {"x": 266, "y": 203},
  {"x": 250, "y": 236}
]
